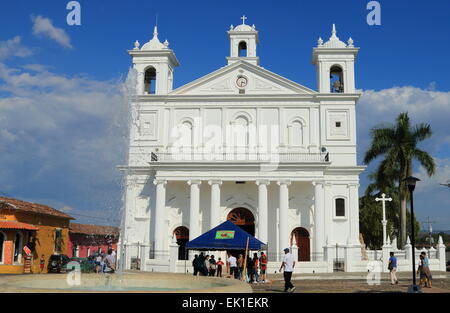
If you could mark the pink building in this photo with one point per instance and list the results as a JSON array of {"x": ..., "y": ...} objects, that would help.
[{"x": 86, "y": 240}]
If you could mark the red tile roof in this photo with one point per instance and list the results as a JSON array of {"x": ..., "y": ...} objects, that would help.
[
  {"x": 86, "y": 229},
  {"x": 16, "y": 225},
  {"x": 9, "y": 203}
]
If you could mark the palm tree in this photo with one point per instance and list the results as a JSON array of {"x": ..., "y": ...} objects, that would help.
[{"x": 398, "y": 144}]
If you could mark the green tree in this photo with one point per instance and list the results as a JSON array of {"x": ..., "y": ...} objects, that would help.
[{"x": 398, "y": 144}]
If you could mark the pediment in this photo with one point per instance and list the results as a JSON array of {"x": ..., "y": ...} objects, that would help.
[{"x": 259, "y": 82}]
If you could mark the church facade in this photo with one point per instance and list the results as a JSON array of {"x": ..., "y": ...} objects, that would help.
[{"x": 247, "y": 145}]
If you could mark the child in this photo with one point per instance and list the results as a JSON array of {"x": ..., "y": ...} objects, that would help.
[
  {"x": 219, "y": 267},
  {"x": 42, "y": 263}
]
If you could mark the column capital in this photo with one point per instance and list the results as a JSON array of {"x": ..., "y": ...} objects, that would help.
[
  {"x": 284, "y": 182},
  {"x": 160, "y": 181},
  {"x": 194, "y": 182},
  {"x": 328, "y": 184},
  {"x": 262, "y": 182},
  {"x": 353, "y": 185},
  {"x": 215, "y": 182},
  {"x": 318, "y": 182}
]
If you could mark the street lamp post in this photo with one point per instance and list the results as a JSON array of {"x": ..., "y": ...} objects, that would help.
[{"x": 411, "y": 183}]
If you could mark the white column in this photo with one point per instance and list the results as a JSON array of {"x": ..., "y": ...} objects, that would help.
[
  {"x": 319, "y": 234},
  {"x": 194, "y": 212},
  {"x": 160, "y": 223},
  {"x": 328, "y": 212},
  {"x": 353, "y": 213},
  {"x": 262, "y": 210},
  {"x": 284, "y": 206},
  {"x": 215, "y": 202}
]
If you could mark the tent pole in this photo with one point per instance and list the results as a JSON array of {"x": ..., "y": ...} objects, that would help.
[
  {"x": 245, "y": 261},
  {"x": 185, "y": 256}
]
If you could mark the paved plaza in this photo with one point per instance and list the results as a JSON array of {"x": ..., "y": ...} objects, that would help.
[{"x": 350, "y": 283}]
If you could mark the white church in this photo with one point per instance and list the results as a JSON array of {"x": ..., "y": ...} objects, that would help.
[{"x": 247, "y": 145}]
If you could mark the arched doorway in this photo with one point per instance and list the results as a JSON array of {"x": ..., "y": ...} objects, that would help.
[
  {"x": 182, "y": 235},
  {"x": 243, "y": 218},
  {"x": 301, "y": 236}
]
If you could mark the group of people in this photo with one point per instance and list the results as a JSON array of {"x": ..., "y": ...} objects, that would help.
[
  {"x": 255, "y": 267},
  {"x": 207, "y": 265},
  {"x": 106, "y": 263},
  {"x": 423, "y": 270}
]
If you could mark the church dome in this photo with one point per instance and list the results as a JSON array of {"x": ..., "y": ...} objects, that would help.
[
  {"x": 334, "y": 41},
  {"x": 244, "y": 28},
  {"x": 154, "y": 43}
]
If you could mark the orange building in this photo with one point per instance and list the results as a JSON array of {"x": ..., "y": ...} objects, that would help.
[{"x": 42, "y": 229}]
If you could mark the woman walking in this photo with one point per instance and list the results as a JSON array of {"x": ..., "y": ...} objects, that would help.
[{"x": 426, "y": 269}]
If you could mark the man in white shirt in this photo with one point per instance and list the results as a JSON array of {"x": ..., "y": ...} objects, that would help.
[
  {"x": 288, "y": 265},
  {"x": 232, "y": 265}
]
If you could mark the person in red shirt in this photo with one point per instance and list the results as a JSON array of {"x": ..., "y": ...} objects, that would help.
[
  {"x": 42, "y": 263},
  {"x": 263, "y": 266},
  {"x": 219, "y": 264}
]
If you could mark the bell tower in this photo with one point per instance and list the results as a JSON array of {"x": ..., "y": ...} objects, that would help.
[
  {"x": 335, "y": 65},
  {"x": 243, "y": 40},
  {"x": 155, "y": 64}
]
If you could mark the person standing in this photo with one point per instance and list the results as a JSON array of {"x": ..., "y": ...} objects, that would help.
[
  {"x": 255, "y": 267},
  {"x": 426, "y": 269},
  {"x": 232, "y": 265},
  {"x": 212, "y": 266},
  {"x": 392, "y": 267},
  {"x": 250, "y": 268},
  {"x": 263, "y": 266},
  {"x": 42, "y": 263},
  {"x": 98, "y": 263},
  {"x": 205, "y": 267},
  {"x": 219, "y": 267},
  {"x": 240, "y": 264},
  {"x": 288, "y": 266},
  {"x": 110, "y": 262},
  {"x": 195, "y": 264}
]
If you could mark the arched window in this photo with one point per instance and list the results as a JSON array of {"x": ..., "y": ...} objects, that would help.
[
  {"x": 336, "y": 79},
  {"x": 242, "y": 49},
  {"x": 296, "y": 133},
  {"x": 186, "y": 135},
  {"x": 150, "y": 81},
  {"x": 182, "y": 236},
  {"x": 240, "y": 131},
  {"x": 18, "y": 248},
  {"x": 340, "y": 207},
  {"x": 2, "y": 241}
]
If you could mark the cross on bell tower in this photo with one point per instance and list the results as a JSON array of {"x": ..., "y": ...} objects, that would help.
[{"x": 243, "y": 18}]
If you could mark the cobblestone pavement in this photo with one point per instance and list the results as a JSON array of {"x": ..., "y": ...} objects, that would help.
[{"x": 347, "y": 285}]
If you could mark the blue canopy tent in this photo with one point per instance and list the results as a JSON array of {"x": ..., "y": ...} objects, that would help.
[{"x": 226, "y": 236}]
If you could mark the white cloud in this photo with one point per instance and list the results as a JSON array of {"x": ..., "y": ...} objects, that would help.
[
  {"x": 43, "y": 26},
  {"x": 424, "y": 106},
  {"x": 62, "y": 138},
  {"x": 13, "y": 48}
]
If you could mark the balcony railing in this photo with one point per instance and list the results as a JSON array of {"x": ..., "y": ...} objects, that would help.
[{"x": 237, "y": 156}]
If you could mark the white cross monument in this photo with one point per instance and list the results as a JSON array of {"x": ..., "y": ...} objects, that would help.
[{"x": 384, "y": 222}]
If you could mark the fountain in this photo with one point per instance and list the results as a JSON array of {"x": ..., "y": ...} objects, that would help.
[{"x": 127, "y": 282}]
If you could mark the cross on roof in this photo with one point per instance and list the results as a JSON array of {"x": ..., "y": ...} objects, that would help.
[{"x": 243, "y": 18}]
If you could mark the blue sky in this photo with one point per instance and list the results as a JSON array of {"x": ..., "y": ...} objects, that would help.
[{"x": 63, "y": 132}]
